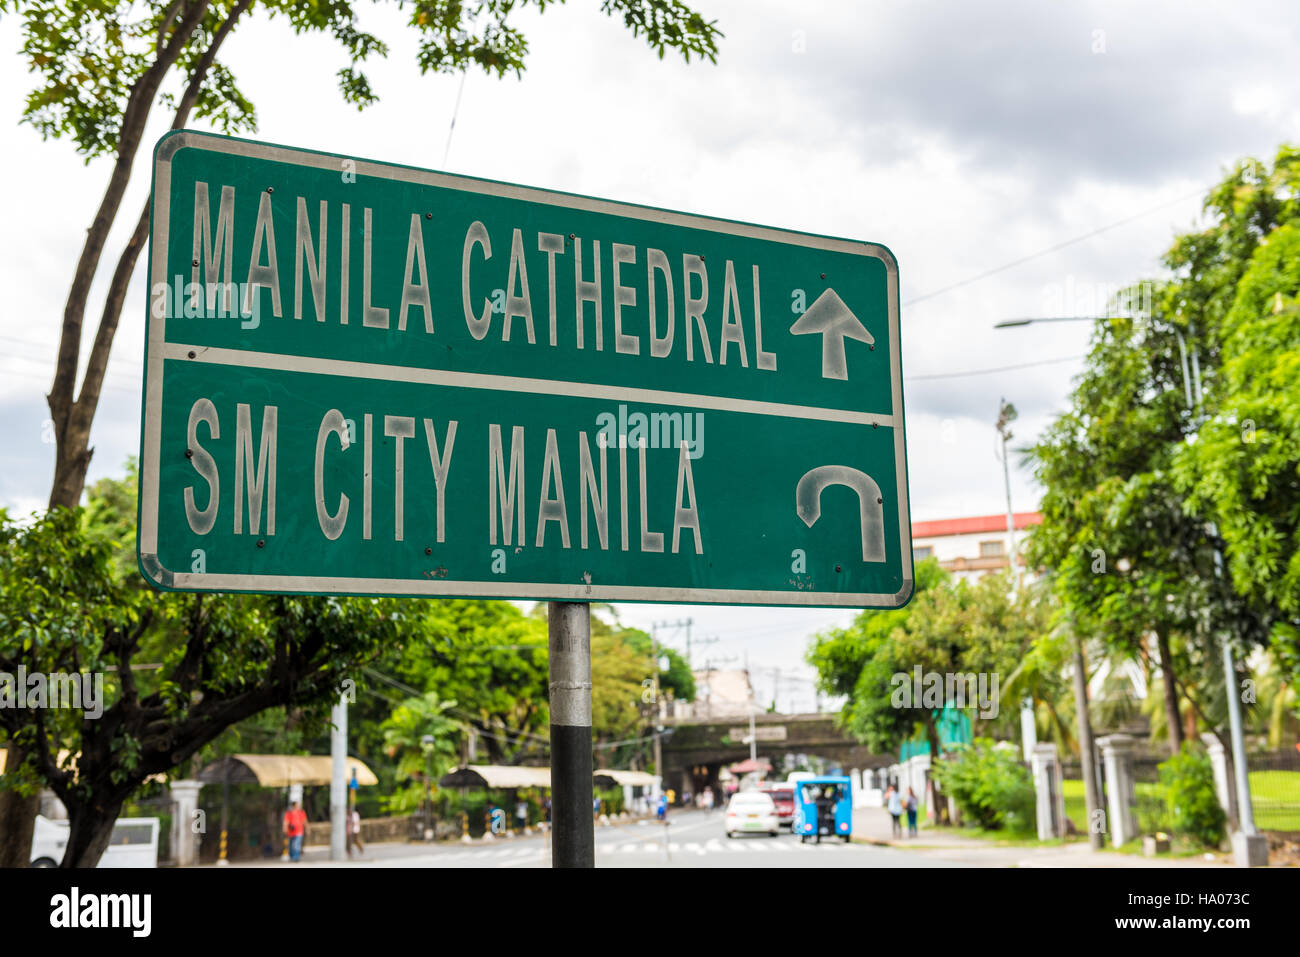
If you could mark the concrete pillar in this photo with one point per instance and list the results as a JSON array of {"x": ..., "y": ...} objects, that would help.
[
  {"x": 1045, "y": 764},
  {"x": 1117, "y": 753},
  {"x": 1224, "y": 785},
  {"x": 1248, "y": 850},
  {"x": 185, "y": 837},
  {"x": 1028, "y": 729}
]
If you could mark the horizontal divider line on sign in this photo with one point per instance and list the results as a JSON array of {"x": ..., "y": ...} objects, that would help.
[
  {"x": 325, "y": 585},
  {"x": 503, "y": 383}
]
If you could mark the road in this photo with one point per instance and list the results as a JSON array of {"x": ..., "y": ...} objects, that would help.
[{"x": 694, "y": 839}]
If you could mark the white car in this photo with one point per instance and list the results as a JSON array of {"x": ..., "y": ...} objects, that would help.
[
  {"x": 752, "y": 812},
  {"x": 134, "y": 843}
]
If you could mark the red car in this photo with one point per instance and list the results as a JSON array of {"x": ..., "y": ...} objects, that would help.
[{"x": 783, "y": 797}]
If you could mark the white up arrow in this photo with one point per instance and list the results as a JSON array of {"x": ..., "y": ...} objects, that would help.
[{"x": 829, "y": 316}]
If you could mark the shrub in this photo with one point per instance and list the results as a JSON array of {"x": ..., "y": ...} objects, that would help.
[
  {"x": 990, "y": 785},
  {"x": 1194, "y": 810}
]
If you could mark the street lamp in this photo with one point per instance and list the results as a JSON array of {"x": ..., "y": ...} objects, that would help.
[
  {"x": 1006, "y": 415},
  {"x": 1252, "y": 845}
]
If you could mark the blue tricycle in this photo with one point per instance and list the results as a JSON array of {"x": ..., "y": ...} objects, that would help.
[{"x": 823, "y": 806}]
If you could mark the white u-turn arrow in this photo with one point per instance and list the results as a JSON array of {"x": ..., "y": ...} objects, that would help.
[{"x": 871, "y": 510}]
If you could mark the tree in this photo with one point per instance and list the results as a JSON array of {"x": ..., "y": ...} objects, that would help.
[
  {"x": 102, "y": 68},
  {"x": 839, "y": 654},
  {"x": 1244, "y": 470},
  {"x": 1039, "y": 677},
  {"x": 422, "y": 736},
  {"x": 1130, "y": 553},
  {"x": 948, "y": 628},
  {"x": 220, "y": 659}
]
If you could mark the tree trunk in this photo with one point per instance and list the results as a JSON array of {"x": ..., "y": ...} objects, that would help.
[
  {"x": 82, "y": 413},
  {"x": 90, "y": 828},
  {"x": 1172, "y": 718},
  {"x": 1092, "y": 799},
  {"x": 940, "y": 802},
  {"x": 17, "y": 817},
  {"x": 72, "y": 438}
]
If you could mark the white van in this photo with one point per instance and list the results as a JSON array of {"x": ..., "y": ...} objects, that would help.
[{"x": 134, "y": 843}]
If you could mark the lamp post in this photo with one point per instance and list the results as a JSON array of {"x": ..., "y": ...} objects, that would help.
[
  {"x": 1006, "y": 415},
  {"x": 1249, "y": 846}
]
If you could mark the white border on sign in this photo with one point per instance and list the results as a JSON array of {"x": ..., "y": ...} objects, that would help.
[{"x": 158, "y": 350}]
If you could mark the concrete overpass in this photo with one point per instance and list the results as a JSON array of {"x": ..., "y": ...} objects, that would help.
[{"x": 699, "y": 748}]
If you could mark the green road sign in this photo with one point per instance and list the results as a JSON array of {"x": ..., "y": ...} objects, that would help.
[{"x": 372, "y": 379}]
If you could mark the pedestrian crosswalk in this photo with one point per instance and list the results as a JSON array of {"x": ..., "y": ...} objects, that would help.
[
  {"x": 536, "y": 853},
  {"x": 714, "y": 846}
]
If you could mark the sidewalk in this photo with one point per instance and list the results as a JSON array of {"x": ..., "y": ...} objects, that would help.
[{"x": 871, "y": 825}]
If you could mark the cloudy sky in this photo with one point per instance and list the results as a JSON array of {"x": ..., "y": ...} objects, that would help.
[{"x": 973, "y": 139}]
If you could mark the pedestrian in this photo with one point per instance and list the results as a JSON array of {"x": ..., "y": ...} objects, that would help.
[
  {"x": 708, "y": 800},
  {"x": 894, "y": 802},
  {"x": 295, "y": 829},
  {"x": 521, "y": 815},
  {"x": 661, "y": 808},
  {"x": 910, "y": 805},
  {"x": 354, "y": 832}
]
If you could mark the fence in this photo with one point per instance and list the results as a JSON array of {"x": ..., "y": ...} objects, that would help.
[{"x": 1275, "y": 789}]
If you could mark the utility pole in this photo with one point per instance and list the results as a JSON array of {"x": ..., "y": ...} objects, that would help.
[
  {"x": 753, "y": 739},
  {"x": 656, "y": 726},
  {"x": 338, "y": 780},
  {"x": 710, "y": 640},
  {"x": 569, "y": 641},
  {"x": 683, "y": 623},
  {"x": 1006, "y": 415},
  {"x": 776, "y": 683}
]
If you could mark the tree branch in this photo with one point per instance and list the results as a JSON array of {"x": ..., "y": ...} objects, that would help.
[
  {"x": 93, "y": 382},
  {"x": 73, "y": 449}
]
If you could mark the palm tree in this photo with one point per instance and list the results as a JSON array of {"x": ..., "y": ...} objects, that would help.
[{"x": 423, "y": 738}]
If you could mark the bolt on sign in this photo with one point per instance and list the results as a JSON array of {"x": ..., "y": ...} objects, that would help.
[{"x": 371, "y": 379}]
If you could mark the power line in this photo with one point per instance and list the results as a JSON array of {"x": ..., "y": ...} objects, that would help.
[
  {"x": 454, "y": 113},
  {"x": 969, "y": 372},
  {"x": 1053, "y": 248}
]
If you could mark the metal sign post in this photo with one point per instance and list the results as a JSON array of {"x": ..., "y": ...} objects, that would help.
[{"x": 569, "y": 626}]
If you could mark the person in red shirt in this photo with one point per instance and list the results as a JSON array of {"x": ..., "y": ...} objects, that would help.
[{"x": 295, "y": 829}]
